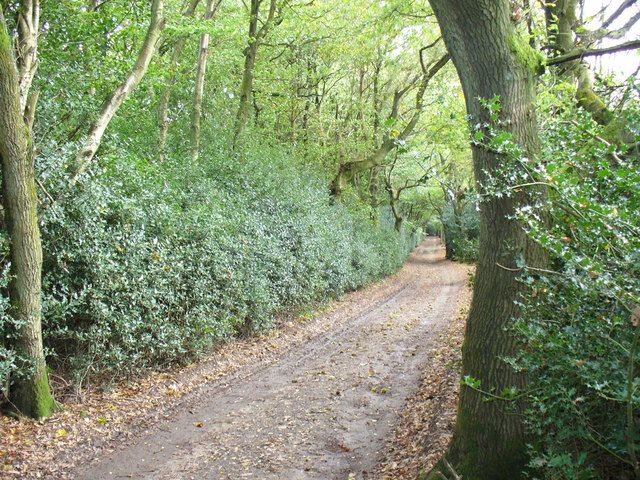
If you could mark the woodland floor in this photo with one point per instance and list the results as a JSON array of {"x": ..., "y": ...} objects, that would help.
[{"x": 359, "y": 391}]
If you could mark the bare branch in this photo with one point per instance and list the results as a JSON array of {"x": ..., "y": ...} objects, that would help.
[
  {"x": 619, "y": 11},
  {"x": 601, "y": 33},
  {"x": 580, "y": 54},
  {"x": 620, "y": 32},
  {"x": 455, "y": 474},
  {"x": 420, "y": 94},
  {"x": 424, "y": 49}
]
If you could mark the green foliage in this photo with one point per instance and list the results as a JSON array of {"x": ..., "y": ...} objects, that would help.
[
  {"x": 579, "y": 318},
  {"x": 147, "y": 265},
  {"x": 461, "y": 230},
  {"x": 7, "y": 323}
]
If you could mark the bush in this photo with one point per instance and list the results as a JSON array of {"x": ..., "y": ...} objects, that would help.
[
  {"x": 147, "y": 265},
  {"x": 579, "y": 327},
  {"x": 461, "y": 231},
  {"x": 7, "y": 356}
]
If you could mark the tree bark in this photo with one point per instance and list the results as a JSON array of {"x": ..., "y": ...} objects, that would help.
[
  {"x": 196, "y": 113},
  {"x": 245, "y": 92},
  {"x": 377, "y": 107},
  {"x": 27, "y": 47},
  {"x": 165, "y": 96},
  {"x": 562, "y": 14},
  {"x": 30, "y": 395},
  {"x": 489, "y": 440},
  {"x": 120, "y": 94},
  {"x": 398, "y": 218}
]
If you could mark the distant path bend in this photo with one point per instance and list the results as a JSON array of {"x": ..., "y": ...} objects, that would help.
[{"x": 320, "y": 410}]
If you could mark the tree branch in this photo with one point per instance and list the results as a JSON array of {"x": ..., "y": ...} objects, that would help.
[
  {"x": 620, "y": 10},
  {"x": 120, "y": 94},
  {"x": 618, "y": 33},
  {"x": 580, "y": 54},
  {"x": 424, "y": 49}
]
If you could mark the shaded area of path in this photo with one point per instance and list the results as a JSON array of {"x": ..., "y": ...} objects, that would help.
[{"x": 320, "y": 410}]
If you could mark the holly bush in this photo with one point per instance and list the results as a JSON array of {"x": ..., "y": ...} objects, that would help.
[
  {"x": 147, "y": 264},
  {"x": 579, "y": 327}
]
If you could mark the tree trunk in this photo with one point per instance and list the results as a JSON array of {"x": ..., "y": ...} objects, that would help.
[
  {"x": 117, "y": 98},
  {"x": 562, "y": 14},
  {"x": 377, "y": 106},
  {"x": 245, "y": 92},
  {"x": 196, "y": 114},
  {"x": 398, "y": 218},
  {"x": 27, "y": 47},
  {"x": 256, "y": 37},
  {"x": 489, "y": 441},
  {"x": 165, "y": 96},
  {"x": 30, "y": 395},
  {"x": 246, "y": 88}
]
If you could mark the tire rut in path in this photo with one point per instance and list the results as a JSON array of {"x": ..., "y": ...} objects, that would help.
[{"x": 321, "y": 410}]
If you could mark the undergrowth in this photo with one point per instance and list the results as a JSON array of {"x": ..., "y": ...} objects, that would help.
[{"x": 146, "y": 264}]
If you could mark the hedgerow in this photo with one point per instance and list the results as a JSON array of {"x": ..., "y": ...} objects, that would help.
[{"x": 146, "y": 264}]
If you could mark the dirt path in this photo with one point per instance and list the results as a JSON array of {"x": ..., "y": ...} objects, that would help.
[{"x": 319, "y": 410}]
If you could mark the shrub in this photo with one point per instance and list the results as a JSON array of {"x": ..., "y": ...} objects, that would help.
[
  {"x": 147, "y": 265},
  {"x": 579, "y": 327},
  {"x": 461, "y": 231}
]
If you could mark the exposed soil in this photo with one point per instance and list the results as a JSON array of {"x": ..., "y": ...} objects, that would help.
[
  {"x": 353, "y": 393},
  {"x": 425, "y": 425}
]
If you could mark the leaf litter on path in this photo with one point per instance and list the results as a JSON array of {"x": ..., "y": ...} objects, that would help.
[{"x": 311, "y": 383}]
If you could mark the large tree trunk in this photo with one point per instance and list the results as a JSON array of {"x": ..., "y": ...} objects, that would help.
[
  {"x": 30, "y": 395},
  {"x": 165, "y": 96},
  {"x": 198, "y": 95},
  {"x": 489, "y": 441},
  {"x": 120, "y": 94}
]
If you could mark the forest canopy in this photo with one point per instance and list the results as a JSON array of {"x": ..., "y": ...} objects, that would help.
[{"x": 177, "y": 173}]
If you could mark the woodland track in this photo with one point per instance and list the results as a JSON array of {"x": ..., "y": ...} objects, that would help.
[{"x": 321, "y": 408}]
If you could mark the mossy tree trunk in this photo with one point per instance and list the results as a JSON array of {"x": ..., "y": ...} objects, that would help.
[
  {"x": 489, "y": 441},
  {"x": 30, "y": 395},
  {"x": 561, "y": 22}
]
